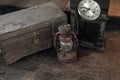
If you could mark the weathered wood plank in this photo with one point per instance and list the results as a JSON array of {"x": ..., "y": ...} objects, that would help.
[
  {"x": 18, "y": 41},
  {"x": 28, "y": 3},
  {"x": 25, "y": 18}
]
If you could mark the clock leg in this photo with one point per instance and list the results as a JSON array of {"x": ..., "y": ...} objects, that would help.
[
  {"x": 73, "y": 20},
  {"x": 101, "y": 40}
]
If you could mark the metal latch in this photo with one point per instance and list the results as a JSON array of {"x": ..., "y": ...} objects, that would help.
[
  {"x": 36, "y": 38},
  {"x": 0, "y": 51}
]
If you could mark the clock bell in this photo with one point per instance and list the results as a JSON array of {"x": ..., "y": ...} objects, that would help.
[{"x": 88, "y": 21}]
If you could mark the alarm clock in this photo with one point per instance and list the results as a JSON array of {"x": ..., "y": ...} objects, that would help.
[{"x": 88, "y": 21}]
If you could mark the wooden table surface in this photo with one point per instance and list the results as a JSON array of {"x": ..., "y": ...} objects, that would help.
[
  {"x": 114, "y": 8},
  {"x": 89, "y": 66}
]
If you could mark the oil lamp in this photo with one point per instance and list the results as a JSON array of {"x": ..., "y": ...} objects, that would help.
[{"x": 66, "y": 44}]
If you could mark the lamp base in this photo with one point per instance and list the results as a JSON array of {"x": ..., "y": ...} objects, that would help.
[{"x": 67, "y": 57}]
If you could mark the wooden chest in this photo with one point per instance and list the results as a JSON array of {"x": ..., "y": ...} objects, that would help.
[{"x": 28, "y": 31}]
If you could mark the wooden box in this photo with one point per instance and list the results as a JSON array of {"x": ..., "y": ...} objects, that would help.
[{"x": 28, "y": 31}]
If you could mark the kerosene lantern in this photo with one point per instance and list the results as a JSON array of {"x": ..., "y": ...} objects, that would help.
[
  {"x": 66, "y": 44},
  {"x": 89, "y": 22}
]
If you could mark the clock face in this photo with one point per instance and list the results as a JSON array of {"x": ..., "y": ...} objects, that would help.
[{"x": 89, "y": 9}]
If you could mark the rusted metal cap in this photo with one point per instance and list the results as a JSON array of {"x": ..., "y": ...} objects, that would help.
[{"x": 64, "y": 28}]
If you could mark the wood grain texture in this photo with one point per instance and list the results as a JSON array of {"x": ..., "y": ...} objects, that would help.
[
  {"x": 67, "y": 7},
  {"x": 17, "y": 40},
  {"x": 29, "y": 3},
  {"x": 114, "y": 8}
]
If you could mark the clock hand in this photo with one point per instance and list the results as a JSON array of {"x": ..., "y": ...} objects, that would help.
[
  {"x": 87, "y": 12},
  {"x": 86, "y": 8},
  {"x": 84, "y": 11}
]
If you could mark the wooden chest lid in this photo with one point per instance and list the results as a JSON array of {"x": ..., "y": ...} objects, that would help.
[{"x": 20, "y": 20}]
